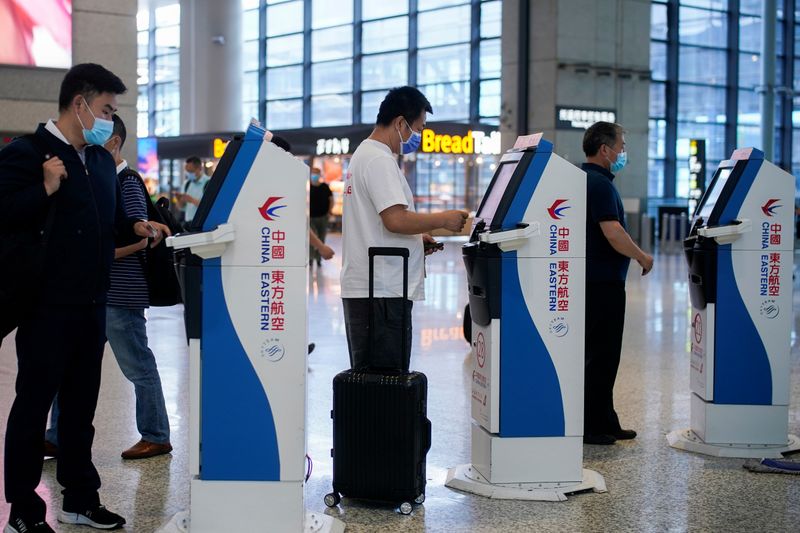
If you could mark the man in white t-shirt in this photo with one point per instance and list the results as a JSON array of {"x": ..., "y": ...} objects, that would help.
[{"x": 379, "y": 211}]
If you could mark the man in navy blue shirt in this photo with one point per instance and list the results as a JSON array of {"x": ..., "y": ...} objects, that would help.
[
  {"x": 60, "y": 340},
  {"x": 609, "y": 250}
]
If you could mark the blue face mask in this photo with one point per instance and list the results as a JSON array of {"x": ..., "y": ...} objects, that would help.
[
  {"x": 100, "y": 132},
  {"x": 412, "y": 144},
  {"x": 619, "y": 164},
  {"x": 314, "y": 178}
]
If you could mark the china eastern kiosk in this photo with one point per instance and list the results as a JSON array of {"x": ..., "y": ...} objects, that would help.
[
  {"x": 244, "y": 274},
  {"x": 740, "y": 256},
  {"x": 526, "y": 263}
]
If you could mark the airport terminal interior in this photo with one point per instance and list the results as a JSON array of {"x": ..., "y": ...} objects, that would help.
[{"x": 709, "y": 377}]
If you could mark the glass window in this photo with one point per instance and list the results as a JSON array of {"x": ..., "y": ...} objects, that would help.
[
  {"x": 331, "y": 110},
  {"x": 445, "y": 26},
  {"x": 658, "y": 60},
  {"x": 250, "y": 87},
  {"x": 701, "y": 104},
  {"x": 491, "y": 19},
  {"x": 142, "y": 125},
  {"x": 333, "y": 77},
  {"x": 334, "y": 43},
  {"x": 284, "y": 18},
  {"x": 167, "y": 123},
  {"x": 284, "y": 114},
  {"x": 250, "y": 55},
  {"x": 490, "y": 59},
  {"x": 701, "y": 65},
  {"x": 286, "y": 82},
  {"x": 449, "y": 63},
  {"x": 711, "y": 4},
  {"x": 750, "y": 34},
  {"x": 249, "y": 4},
  {"x": 143, "y": 99},
  {"x": 658, "y": 21},
  {"x": 167, "y": 96},
  {"x": 169, "y": 15},
  {"x": 250, "y": 26},
  {"x": 370, "y": 103},
  {"x": 749, "y": 70},
  {"x": 658, "y": 139},
  {"x": 751, "y": 7},
  {"x": 385, "y": 35},
  {"x": 249, "y": 111},
  {"x": 143, "y": 71},
  {"x": 655, "y": 179},
  {"x": 433, "y": 4},
  {"x": 749, "y": 108},
  {"x": 708, "y": 28},
  {"x": 167, "y": 68},
  {"x": 489, "y": 103},
  {"x": 376, "y": 9},
  {"x": 168, "y": 39},
  {"x": 450, "y": 101},
  {"x": 142, "y": 44},
  {"x": 284, "y": 50},
  {"x": 714, "y": 134},
  {"x": 325, "y": 13},
  {"x": 386, "y": 70},
  {"x": 658, "y": 101},
  {"x": 143, "y": 20},
  {"x": 748, "y": 136}
]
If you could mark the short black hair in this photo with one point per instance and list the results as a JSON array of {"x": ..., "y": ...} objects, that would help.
[
  {"x": 280, "y": 142},
  {"x": 88, "y": 80},
  {"x": 598, "y": 134},
  {"x": 194, "y": 160},
  {"x": 119, "y": 129},
  {"x": 407, "y": 102}
]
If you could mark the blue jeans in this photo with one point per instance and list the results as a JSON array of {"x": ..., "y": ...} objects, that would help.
[{"x": 127, "y": 334}]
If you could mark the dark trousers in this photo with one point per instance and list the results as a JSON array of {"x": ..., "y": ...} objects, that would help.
[
  {"x": 59, "y": 349},
  {"x": 388, "y": 322},
  {"x": 605, "y": 319}
]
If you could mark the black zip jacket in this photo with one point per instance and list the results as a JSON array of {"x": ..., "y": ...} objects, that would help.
[{"x": 89, "y": 223}]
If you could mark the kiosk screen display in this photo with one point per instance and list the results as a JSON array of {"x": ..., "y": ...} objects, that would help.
[
  {"x": 717, "y": 185},
  {"x": 496, "y": 191}
]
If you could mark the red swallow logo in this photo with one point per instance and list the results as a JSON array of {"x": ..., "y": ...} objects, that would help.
[
  {"x": 770, "y": 207},
  {"x": 269, "y": 211},
  {"x": 556, "y": 210}
]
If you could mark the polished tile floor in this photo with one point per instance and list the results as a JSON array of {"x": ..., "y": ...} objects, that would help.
[{"x": 651, "y": 487}]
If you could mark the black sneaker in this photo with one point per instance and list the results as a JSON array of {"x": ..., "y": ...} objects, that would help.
[
  {"x": 599, "y": 438},
  {"x": 18, "y": 525},
  {"x": 98, "y": 518},
  {"x": 624, "y": 434}
]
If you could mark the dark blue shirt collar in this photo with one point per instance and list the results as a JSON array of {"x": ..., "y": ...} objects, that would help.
[{"x": 597, "y": 168}]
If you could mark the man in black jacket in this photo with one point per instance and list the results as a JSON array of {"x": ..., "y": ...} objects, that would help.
[{"x": 60, "y": 340}]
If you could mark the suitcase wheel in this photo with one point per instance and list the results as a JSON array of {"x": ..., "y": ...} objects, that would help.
[
  {"x": 405, "y": 508},
  {"x": 420, "y": 499},
  {"x": 332, "y": 499}
]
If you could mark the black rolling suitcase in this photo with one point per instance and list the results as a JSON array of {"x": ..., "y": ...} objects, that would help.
[{"x": 381, "y": 433}]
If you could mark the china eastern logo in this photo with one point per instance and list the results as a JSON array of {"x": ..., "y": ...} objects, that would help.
[
  {"x": 270, "y": 211},
  {"x": 770, "y": 207},
  {"x": 556, "y": 210}
]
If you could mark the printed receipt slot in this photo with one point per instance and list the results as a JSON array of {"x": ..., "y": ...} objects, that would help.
[
  {"x": 243, "y": 271},
  {"x": 740, "y": 257},
  {"x": 526, "y": 263}
]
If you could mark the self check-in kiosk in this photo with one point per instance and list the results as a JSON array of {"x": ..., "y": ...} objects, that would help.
[
  {"x": 740, "y": 257},
  {"x": 244, "y": 277},
  {"x": 526, "y": 263}
]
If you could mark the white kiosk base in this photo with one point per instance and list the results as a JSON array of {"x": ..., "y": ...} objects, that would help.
[
  {"x": 467, "y": 479},
  {"x": 687, "y": 440}
]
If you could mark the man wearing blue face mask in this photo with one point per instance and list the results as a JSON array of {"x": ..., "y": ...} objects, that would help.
[
  {"x": 193, "y": 187},
  {"x": 609, "y": 250},
  {"x": 379, "y": 210},
  {"x": 62, "y": 184}
]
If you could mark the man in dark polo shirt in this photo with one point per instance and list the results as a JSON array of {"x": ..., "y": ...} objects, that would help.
[{"x": 609, "y": 250}]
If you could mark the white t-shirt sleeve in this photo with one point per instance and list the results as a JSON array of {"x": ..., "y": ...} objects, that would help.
[{"x": 383, "y": 184}]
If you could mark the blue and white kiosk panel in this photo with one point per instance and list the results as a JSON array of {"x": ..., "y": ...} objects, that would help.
[{"x": 740, "y": 255}]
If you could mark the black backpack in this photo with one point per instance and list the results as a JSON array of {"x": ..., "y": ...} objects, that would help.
[
  {"x": 159, "y": 262},
  {"x": 22, "y": 259}
]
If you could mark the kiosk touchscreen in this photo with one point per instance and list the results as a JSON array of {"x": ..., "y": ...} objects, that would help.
[
  {"x": 525, "y": 267},
  {"x": 243, "y": 271},
  {"x": 740, "y": 256}
]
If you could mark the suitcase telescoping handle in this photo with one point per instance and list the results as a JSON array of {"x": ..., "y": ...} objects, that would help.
[{"x": 390, "y": 252}]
